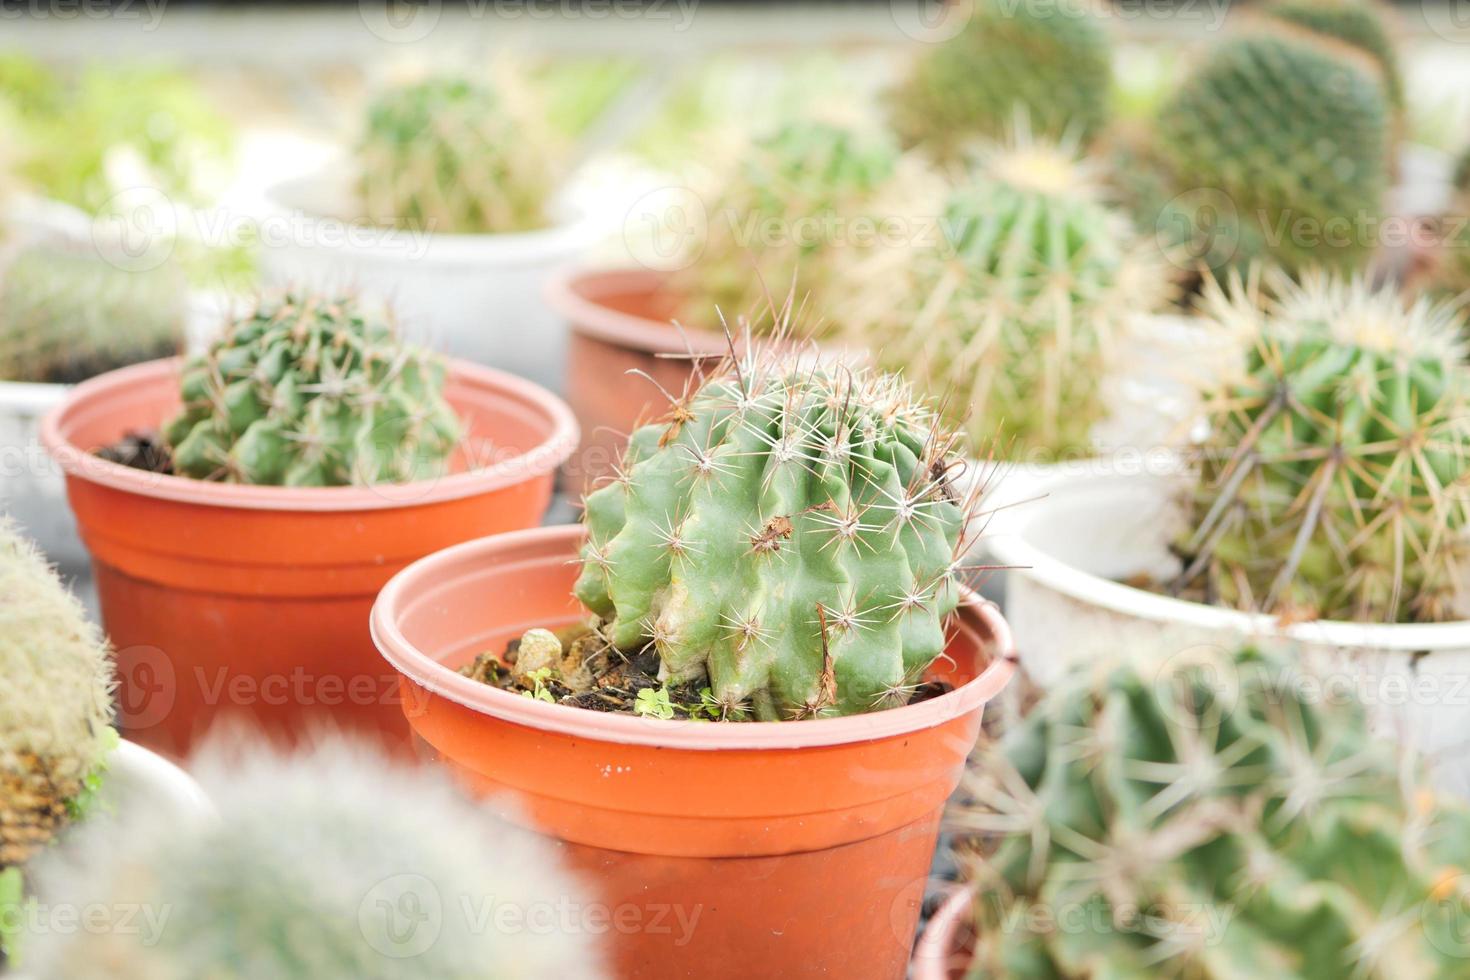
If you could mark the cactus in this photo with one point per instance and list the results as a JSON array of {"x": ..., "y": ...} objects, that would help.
[
  {"x": 1012, "y": 318},
  {"x": 337, "y": 863},
  {"x": 55, "y": 701},
  {"x": 69, "y": 314},
  {"x": 452, "y": 155},
  {"x": 787, "y": 534},
  {"x": 1049, "y": 59},
  {"x": 1281, "y": 140},
  {"x": 788, "y": 205},
  {"x": 1198, "y": 816},
  {"x": 1334, "y": 477},
  {"x": 309, "y": 391},
  {"x": 1362, "y": 23}
]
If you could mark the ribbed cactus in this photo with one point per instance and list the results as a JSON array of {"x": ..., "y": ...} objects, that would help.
[
  {"x": 1197, "y": 816},
  {"x": 335, "y": 864},
  {"x": 313, "y": 391},
  {"x": 55, "y": 700},
  {"x": 1335, "y": 473},
  {"x": 1364, "y": 24},
  {"x": 453, "y": 155},
  {"x": 69, "y": 314},
  {"x": 1048, "y": 59},
  {"x": 1281, "y": 141},
  {"x": 1012, "y": 316},
  {"x": 786, "y": 535},
  {"x": 785, "y": 216}
]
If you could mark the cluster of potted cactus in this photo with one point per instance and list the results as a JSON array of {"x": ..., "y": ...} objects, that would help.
[{"x": 741, "y": 694}]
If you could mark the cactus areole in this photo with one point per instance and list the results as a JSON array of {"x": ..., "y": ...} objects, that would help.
[{"x": 787, "y": 533}]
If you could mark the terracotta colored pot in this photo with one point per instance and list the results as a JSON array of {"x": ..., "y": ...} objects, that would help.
[
  {"x": 948, "y": 942},
  {"x": 796, "y": 849},
  {"x": 225, "y": 599},
  {"x": 621, "y": 322}
]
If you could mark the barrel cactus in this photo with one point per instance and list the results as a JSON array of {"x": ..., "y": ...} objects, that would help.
[
  {"x": 1364, "y": 24},
  {"x": 1335, "y": 474},
  {"x": 455, "y": 156},
  {"x": 1199, "y": 815},
  {"x": 68, "y": 314},
  {"x": 793, "y": 203},
  {"x": 336, "y": 863},
  {"x": 787, "y": 534},
  {"x": 1048, "y": 59},
  {"x": 1013, "y": 315},
  {"x": 1280, "y": 141},
  {"x": 312, "y": 391}
]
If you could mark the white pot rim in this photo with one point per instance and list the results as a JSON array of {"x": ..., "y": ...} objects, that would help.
[
  {"x": 1022, "y": 557},
  {"x": 166, "y": 783}
]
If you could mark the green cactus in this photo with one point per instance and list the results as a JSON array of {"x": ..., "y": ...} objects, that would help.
[
  {"x": 69, "y": 314},
  {"x": 1051, "y": 60},
  {"x": 1364, "y": 24},
  {"x": 788, "y": 534},
  {"x": 1199, "y": 816},
  {"x": 1334, "y": 477},
  {"x": 789, "y": 205},
  {"x": 55, "y": 700},
  {"x": 312, "y": 391},
  {"x": 455, "y": 156},
  {"x": 1012, "y": 317},
  {"x": 1280, "y": 144},
  {"x": 334, "y": 864}
]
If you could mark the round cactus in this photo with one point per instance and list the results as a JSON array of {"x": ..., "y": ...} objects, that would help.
[
  {"x": 788, "y": 534},
  {"x": 1334, "y": 477},
  {"x": 1197, "y": 816},
  {"x": 1050, "y": 60},
  {"x": 1365, "y": 24},
  {"x": 786, "y": 208},
  {"x": 67, "y": 315},
  {"x": 307, "y": 391},
  {"x": 1280, "y": 142},
  {"x": 55, "y": 700},
  {"x": 1012, "y": 316},
  {"x": 334, "y": 864},
  {"x": 454, "y": 156}
]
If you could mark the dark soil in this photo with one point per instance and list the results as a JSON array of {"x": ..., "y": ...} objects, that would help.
[{"x": 141, "y": 451}]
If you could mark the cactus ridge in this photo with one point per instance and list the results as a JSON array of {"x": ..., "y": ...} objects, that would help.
[
  {"x": 788, "y": 533},
  {"x": 313, "y": 391}
]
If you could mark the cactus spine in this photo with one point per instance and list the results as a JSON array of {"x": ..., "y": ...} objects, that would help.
[
  {"x": 1197, "y": 816},
  {"x": 453, "y": 155},
  {"x": 788, "y": 534},
  {"x": 1048, "y": 59},
  {"x": 67, "y": 315},
  {"x": 1282, "y": 142},
  {"x": 312, "y": 391},
  {"x": 1334, "y": 475},
  {"x": 334, "y": 864}
]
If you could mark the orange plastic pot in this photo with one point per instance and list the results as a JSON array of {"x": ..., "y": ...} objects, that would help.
[
  {"x": 797, "y": 849},
  {"x": 948, "y": 943},
  {"x": 253, "y": 601}
]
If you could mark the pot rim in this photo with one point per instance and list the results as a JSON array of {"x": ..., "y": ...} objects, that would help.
[
  {"x": 935, "y": 951},
  {"x": 1022, "y": 557},
  {"x": 167, "y": 782},
  {"x": 675, "y": 734},
  {"x": 81, "y": 463},
  {"x": 592, "y": 319}
]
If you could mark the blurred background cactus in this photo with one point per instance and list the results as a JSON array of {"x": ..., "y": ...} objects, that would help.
[
  {"x": 1049, "y": 60},
  {"x": 313, "y": 390},
  {"x": 332, "y": 863},
  {"x": 787, "y": 535},
  {"x": 1337, "y": 462},
  {"x": 1197, "y": 814},
  {"x": 1364, "y": 24}
]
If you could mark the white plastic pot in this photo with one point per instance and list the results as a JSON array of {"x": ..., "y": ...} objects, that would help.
[
  {"x": 477, "y": 297},
  {"x": 137, "y": 778},
  {"x": 1064, "y": 599}
]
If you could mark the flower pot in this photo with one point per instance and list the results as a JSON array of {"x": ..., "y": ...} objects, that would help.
[
  {"x": 796, "y": 849},
  {"x": 224, "y": 599},
  {"x": 622, "y": 335},
  {"x": 1070, "y": 552},
  {"x": 138, "y": 778},
  {"x": 944, "y": 950},
  {"x": 477, "y": 297}
]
